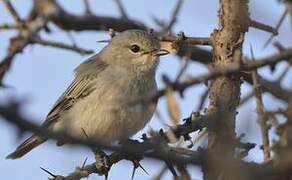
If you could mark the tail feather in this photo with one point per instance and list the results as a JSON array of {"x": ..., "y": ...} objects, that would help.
[{"x": 26, "y": 146}]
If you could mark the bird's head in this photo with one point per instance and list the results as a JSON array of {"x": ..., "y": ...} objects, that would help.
[{"x": 135, "y": 50}]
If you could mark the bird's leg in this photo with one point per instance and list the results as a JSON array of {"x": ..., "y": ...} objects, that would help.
[{"x": 102, "y": 163}]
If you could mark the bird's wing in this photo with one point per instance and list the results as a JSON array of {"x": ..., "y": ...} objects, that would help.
[{"x": 81, "y": 87}]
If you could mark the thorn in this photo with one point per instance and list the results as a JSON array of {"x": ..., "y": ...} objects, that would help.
[
  {"x": 133, "y": 172},
  {"x": 171, "y": 168},
  {"x": 48, "y": 172},
  {"x": 143, "y": 168},
  {"x": 137, "y": 164},
  {"x": 277, "y": 28},
  {"x": 84, "y": 162},
  {"x": 84, "y": 132},
  {"x": 105, "y": 176},
  {"x": 103, "y": 41}
]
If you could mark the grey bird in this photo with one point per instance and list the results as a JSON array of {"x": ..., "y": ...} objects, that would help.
[{"x": 93, "y": 106}]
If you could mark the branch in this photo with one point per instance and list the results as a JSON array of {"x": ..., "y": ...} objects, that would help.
[
  {"x": 12, "y": 11},
  {"x": 229, "y": 70},
  {"x": 264, "y": 27},
  {"x": 60, "y": 45},
  {"x": 174, "y": 15},
  {"x": 261, "y": 114},
  {"x": 11, "y": 114},
  {"x": 68, "y": 21},
  {"x": 186, "y": 40}
]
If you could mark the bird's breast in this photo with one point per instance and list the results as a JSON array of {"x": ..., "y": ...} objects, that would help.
[{"x": 106, "y": 114}]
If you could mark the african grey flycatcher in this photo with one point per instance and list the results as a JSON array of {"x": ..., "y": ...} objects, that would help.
[{"x": 94, "y": 104}]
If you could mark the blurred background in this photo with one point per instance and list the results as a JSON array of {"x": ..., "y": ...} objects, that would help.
[{"x": 40, "y": 74}]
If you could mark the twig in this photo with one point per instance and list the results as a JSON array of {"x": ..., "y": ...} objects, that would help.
[
  {"x": 199, "y": 136},
  {"x": 232, "y": 69},
  {"x": 60, "y": 45},
  {"x": 174, "y": 15},
  {"x": 187, "y": 40},
  {"x": 182, "y": 69},
  {"x": 261, "y": 114},
  {"x": 121, "y": 9},
  {"x": 264, "y": 27},
  {"x": 87, "y": 7},
  {"x": 283, "y": 74},
  {"x": 8, "y": 26},
  {"x": 160, "y": 173},
  {"x": 245, "y": 98},
  {"x": 203, "y": 99},
  {"x": 12, "y": 11},
  {"x": 277, "y": 27},
  {"x": 184, "y": 174},
  {"x": 16, "y": 46}
]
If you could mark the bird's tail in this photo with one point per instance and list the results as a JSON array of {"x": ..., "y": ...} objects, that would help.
[{"x": 26, "y": 146}]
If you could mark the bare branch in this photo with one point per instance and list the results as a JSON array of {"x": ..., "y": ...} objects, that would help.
[
  {"x": 121, "y": 9},
  {"x": 87, "y": 7},
  {"x": 264, "y": 27},
  {"x": 16, "y": 46},
  {"x": 277, "y": 27},
  {"x": 12, "y": 11},
  {"x": 229, "y": 70},
  {"x": 174, "y": 15},
  {"x": 8, "y": 26},
  {"x": 187, "y": 40},
  {"x": 60, "y": 45},
  {"x": 261, "y": 114}
]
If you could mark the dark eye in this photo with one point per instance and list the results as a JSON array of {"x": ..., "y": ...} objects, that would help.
[{"x": 135, "y": 48}]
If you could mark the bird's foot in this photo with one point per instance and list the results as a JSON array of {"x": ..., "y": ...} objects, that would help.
[{"x": 102, "y": 163}]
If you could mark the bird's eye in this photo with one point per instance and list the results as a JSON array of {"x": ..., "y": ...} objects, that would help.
[{"x": 135, "y": 48}]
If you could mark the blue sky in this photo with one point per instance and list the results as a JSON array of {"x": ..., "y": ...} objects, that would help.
[{"x": 40, "y": 74}]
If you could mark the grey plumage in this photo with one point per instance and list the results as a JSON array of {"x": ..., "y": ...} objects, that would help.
[{"x": 95, "y": 100}]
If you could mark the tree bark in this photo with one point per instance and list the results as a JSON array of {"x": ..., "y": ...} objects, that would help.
[{"x": 224, "y": 91}]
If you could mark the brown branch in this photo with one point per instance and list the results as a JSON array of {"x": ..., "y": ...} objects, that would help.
[
  {"x": 8, "y": 26},
  {"x": 11, "y": 114},
  {"x": 224, "y": 92},
  {"x": 16, "y": 46},
  {"x": 225, "y": 71},
  {"x": 121, "y": 9},
  {"x": 285, "y": 13},
  {"x": 273, "y": 88},
  {"x": 261, "y": 114},
  {"x": 263, "y": 27},
  {"x": 174, "y": 16},
  {"x": 61, "y": 45},
  {"x": 87, "y": 7},
  {"x": 187, "y": 40},
  {"x": 68, "y": 21},
  {"x": 12, "y": 11}
]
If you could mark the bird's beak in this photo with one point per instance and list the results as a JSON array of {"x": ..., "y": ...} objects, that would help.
[{"x": 161, "y": 52}]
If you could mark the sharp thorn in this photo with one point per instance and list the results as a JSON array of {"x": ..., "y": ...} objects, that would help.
[
  {"x": 84, "y": 162},
  {"x": 105, "y": 176},
  {"x": 138, "y": 163},
  {"x": 103, "y": 41},
  {"x": 48, "y": 172},
  {"x": 172, "y": 170},
  {"x": 133, "y": 172}
]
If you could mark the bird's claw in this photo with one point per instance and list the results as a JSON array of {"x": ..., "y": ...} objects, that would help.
[{"x": 102, "y": 163}]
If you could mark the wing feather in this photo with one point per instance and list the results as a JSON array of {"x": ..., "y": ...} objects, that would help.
[{"x": 81, "y": 87}]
